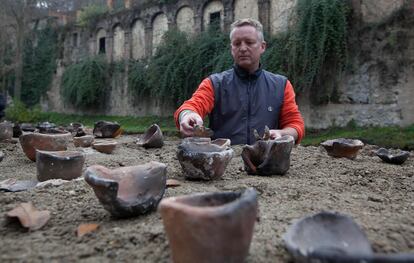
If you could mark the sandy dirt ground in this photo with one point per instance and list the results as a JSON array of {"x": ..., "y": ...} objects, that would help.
[{"x": 379, "y": 196}]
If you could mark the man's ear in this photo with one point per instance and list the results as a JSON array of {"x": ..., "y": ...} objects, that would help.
[{"x": 263, "y": 45}]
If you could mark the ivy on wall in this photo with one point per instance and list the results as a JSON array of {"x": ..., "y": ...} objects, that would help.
[{"x": 39, "y": 65}]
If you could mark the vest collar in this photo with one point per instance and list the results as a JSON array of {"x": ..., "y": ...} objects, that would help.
[{"x": 244, "y": 74}]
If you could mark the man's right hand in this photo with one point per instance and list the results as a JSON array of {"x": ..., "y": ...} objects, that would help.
[{"x": 189, "y": 119}]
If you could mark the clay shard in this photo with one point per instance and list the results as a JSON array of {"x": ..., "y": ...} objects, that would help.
[
  {"x": 14, "y": 185},
  {"x": 30, "y": 142},
  {"x": 342, "y": 147},
  {"x": 210, "y": 227},
  {"x": 267, "y": 156},
  {"x": 392, "y": 156},
  {"x": 65, "y": 165},
  {"x": 333, "y": 237},
  {"x": 6, "y": 131},
  {"x": 105, "y": 146},
  {"x": 106, "y": 129},
  {"x": 128, "y": 191},
  {"x": 29, "y": 217},
  {"x": 152, "y": 138},
  {"x": 201, "y": 131},
  {"x": 203, "y": 159},
  {"x": 84, "y": 229},
  {"x": 83, "y": 141}
]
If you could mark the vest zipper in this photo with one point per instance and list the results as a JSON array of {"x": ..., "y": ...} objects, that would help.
[{"x": 248, "y": 113}]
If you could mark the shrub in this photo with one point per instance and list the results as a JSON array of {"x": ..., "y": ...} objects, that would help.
[{"x": 18, "y": 112}]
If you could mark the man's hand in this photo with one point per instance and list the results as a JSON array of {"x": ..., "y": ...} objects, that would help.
[
  {"x": 274, "y": 134},
  {"x": 188, "y": 119}
]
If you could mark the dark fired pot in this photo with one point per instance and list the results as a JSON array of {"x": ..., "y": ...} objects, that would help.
[
  {"x": 66, "y": 165},
  {"x": 328, "y": 237},
  {"x": 210, "y": 227},
  {"x": 106, "y": 129},
  {"x": 392, "y": 156},
  {"x": 268, "y": 157},
  {"x": 152, "y": 138},
  {"x": 128, "y": 191},
  {"x": 341, "y": 147},
  {"x": 201, "y": 158},
  {"x": 31, "y": 142},
  {"x": 6, "y": 131}
]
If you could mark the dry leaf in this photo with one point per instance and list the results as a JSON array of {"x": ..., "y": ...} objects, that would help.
[
  {"x": 173, "y": 183},
  {"x": 84, "y": 229},
  {"x": 29, "y": 216}
]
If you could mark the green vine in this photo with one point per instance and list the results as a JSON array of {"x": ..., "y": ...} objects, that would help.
[
  {"x": 91, "y": 14},
  {"x": 86, "y": 83}
]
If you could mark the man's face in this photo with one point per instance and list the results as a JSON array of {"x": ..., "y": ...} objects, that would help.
[{"x": 246, "y": 47}]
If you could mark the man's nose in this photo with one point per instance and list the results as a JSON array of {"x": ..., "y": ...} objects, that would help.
[{"x": 243, "y": 46}]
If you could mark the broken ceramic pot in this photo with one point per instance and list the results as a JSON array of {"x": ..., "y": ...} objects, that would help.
[
  {"x": 105, "y": 146},
  {"x": 83, "y": 141},
  {"x": 77, "y": 129},
  {"x": 333, "y": 237},
  {"x": 201, "y": 131},
  {"x": 14, "y": 185},
  {"x": 268, "y": 156},
  {"x": 65, "y": 165},
  {"x": 201, "y": 158},
  {"x": 128, "y": 191},
  {"x": 30, "y": 142},
  {"x": 45, "y": 127},
  {"x": 18, "y": 129},
  {"x": 392, "y": 156},
  {"x": 6, "y": 131},
  {"x": 210, "y": 227},
  {"x": 342, "y": 147},
  {"x": 106, "y": 129},
  {"x": 152, "y": 138}
]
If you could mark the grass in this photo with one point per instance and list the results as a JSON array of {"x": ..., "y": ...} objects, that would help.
[{"x": 389, "y": 137}]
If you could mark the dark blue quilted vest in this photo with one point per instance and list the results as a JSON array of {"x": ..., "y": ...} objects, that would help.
[{"x": 244, "y": 102}]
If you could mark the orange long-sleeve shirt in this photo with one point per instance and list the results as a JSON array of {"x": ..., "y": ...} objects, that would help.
[{"x": 202, "y": 102}]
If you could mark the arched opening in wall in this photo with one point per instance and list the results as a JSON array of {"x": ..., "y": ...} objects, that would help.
[
  {"x": 246, "y": 9},
  {"x": 213, "y": 14},
  {"x": 281, "y": 15},
  {"x": 138, "y": 40},
  {"x": 75, "y": 39},
  {"x": 101, "y": 41},
  {"x": 119, "y": 42},
  {"x": 185, "y": 20},
  {"x": 159, "y": 27}
]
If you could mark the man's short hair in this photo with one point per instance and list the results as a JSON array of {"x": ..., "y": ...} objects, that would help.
[{"x": 248, "y": 22}]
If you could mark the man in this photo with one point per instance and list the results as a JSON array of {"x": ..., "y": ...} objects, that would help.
[{"x": 245, "y": 97}]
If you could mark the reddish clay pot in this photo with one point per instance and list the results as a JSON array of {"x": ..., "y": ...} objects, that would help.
[
  {"x": 210, "y": 227},
  {"x": 128, "y": 191},
  {"x": 341, "y": 147},
  {"x": 105, "y": 146},
  {"x": 152, "y": 138},
  {"x": 65, "y": 165},
  {"x": 6, "y": 131},
  {"x": 201, "y": 158},
  {"x": 31, "y": 142},
  {"x": 106, "y": 129},
  {"x": 268, "y": 157},
  {"x": 83, "y": 141}
]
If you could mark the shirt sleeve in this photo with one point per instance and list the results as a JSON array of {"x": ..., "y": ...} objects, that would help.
[
  {"x": 290, "y": 115},
  {"x": 202, "y": 101}
]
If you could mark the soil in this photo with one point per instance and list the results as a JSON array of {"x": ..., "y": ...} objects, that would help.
[{"x": 379, "y": 196}]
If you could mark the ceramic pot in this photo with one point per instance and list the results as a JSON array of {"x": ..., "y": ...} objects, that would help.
[
  {"x": 210, "y": 227},
  {"x": 203, "y": 159},
  {"x": 106, "y": 129},
  {"x": 105, "y": 146},
  {"x": 268, "y": 157},
  {"x": 341, "y": 147},
  {"x": 65, "y": 165},
  {"x": 128, "y": 191},
  {"x": 152, "y": 138},
  {"x": 31, "y": 142},
  {"x": 83, "y": 141},
  {"x": 6, "y": 131},
  {"x": 392, "y": 156}
]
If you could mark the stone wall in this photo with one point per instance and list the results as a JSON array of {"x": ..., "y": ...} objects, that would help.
[{"x": 372, "y": 94}]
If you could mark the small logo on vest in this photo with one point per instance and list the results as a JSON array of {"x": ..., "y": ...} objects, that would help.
[{"x": 270, "y": 108}]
